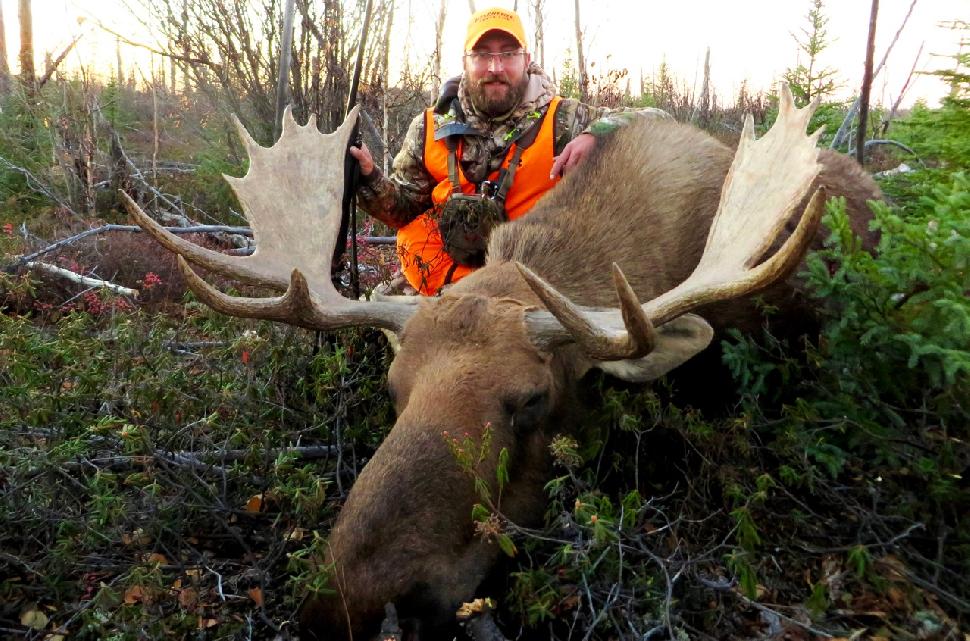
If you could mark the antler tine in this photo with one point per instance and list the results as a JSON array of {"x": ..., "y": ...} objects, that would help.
[
  {"x": 767, "y": 180},
  {"x": 591, "y": 329},
  {"x": 230, "y": 266},
  {"x": 295, "y": 307},
  {"x": 252, "y": 147},
  {"x": 291, "y": 196}
]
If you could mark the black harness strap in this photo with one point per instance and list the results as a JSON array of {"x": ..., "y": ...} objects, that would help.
[
  {"x": 449, "y": 275},
  {"x": 522, "y": 141},
  {"x": 508, "y": 174}
]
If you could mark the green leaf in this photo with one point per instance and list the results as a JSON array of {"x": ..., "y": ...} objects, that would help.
[
  {"x": 818, "y": 602},
  {"x": 502, "y": 470},
  {"x": 481, "y": 488},
  {"x": 505, "y": 542},
  {"x": 480, "y": 512},
  {"x": 859, "y": 559}
]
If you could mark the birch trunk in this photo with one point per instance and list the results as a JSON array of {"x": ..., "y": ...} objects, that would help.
[
  {"x": 539, "y": 43},
  {"x": 284, "y": 69},
  {"x": 702, "y": 108},
  {"x": 436, "y": 59},
  {"x": 581, "y": 60}
]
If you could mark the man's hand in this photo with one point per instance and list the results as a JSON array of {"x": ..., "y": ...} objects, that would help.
[
  {"x": 366, "y": 161},
  {"x": 572, "y": 154}
]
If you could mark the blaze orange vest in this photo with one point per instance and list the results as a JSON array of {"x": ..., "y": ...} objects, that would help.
[{"x": 424, "y": 261}]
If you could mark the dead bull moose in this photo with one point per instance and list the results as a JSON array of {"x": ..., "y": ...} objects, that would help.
[{"x": 661, "y": 209}]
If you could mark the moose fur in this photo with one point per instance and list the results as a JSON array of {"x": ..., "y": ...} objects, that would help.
[{"x": 644, "y": 200}]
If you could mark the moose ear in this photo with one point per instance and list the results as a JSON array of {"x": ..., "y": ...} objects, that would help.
[{"x": 677, "y": 341}]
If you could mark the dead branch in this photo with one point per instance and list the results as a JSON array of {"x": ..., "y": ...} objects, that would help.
[
  {"x": 57, "y": 61},
  {"x": 845, "y": 128},
  {"x": 81, "y": 279},
  {"x": 189, "y": 348},
  {"x": 902, "y": 92},
  {"x": 895, "y": 143},
  {"x": 195, "y": 460},
  {"x": 38, "y": 186},
  {"x": 140, "y": 177},
  {"x": 167, "y": 54},
  {"x": 764, "y": 608},
  {"x": 195, "y": 229}
]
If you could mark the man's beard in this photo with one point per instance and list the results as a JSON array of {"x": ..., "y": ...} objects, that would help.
[{"x": 493, "y": 107}]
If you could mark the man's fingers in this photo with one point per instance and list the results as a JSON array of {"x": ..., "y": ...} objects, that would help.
[
  {"x": 558, "y": 163},
  {"x": 363, "y": 158},
  {"x": 574, "y": 159}
]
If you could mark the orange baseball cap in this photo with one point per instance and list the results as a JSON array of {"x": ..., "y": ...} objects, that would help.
[{"x": 495, "y": 19}]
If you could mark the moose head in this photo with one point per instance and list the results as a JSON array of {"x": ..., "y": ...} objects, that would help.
[{"x": 677, "y": 219}]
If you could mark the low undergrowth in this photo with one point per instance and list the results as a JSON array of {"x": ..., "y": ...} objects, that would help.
[
  {"x": 160, "y": 476},
  {"x": 831, "y": 502}
]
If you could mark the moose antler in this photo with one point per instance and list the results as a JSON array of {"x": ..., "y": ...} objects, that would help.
[
  {"x": 298, "y": 181},
  {"x": 766, "y": 181}
]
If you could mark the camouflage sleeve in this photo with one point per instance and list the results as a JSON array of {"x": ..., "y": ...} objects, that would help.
[
  {"x": 574, "y": 118},
  {"x": 398, "y": 199}
]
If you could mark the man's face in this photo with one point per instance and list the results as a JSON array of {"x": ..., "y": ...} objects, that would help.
[{"x": 495, "y": 70}]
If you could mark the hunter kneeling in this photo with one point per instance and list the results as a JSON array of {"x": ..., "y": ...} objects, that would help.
[{"x": 498, "y": 139}]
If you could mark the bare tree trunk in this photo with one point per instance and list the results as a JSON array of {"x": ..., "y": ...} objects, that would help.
[
  {"x": 539, "y": 45},
  {"x": 333, "y": 90},
  {"x": 88, "y": 150},
  {"x": 186, "y": 49},
  {"x": 581, "y": 64},
  {"x": 843, "y": 129},
  {"x": 121, "y": 71},
  {"x": 866, "y": 84},
  {"x": 4, "y": 65},
  {"x": 702, "y": 108},
  {"x": 172, "y": 67},
  {"x": 359, "y": 63},
  {"x": 284, "y": 71},
  {"x": 439, "y": 28},
  {"x": 155, "y": 127},
  {"x": 51, "y": 64},
  {"x": 385, "y": 64},
  {"x": 27, "y": 75}
]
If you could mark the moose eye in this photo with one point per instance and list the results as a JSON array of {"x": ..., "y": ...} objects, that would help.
[
  {"x": 527, "y": 411},
  {"x": 534, "y": 401}
]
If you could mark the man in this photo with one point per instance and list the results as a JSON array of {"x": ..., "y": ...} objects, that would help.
[{"x": 497, "y": 139}]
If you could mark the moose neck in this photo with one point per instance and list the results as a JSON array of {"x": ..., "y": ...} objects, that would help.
[{"x": 645, "y": 207}]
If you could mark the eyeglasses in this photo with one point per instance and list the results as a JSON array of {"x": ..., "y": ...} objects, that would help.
[{"x": 483, "y": 59}]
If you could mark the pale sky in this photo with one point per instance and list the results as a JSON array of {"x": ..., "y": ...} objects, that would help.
[{"x": 749, "y": 39}]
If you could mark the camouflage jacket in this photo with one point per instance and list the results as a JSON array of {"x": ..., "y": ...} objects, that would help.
[{"x": 399, "y": 198}]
